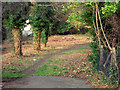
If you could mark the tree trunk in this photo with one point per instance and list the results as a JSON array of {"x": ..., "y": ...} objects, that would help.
[
  {"x": 45, "y": 44},
  {"x": 17, "y": 42},
  {"x": 36, "y": 40}
]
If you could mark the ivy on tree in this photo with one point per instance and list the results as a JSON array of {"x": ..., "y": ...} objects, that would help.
[
  {"x": 44, "y": 36},
  {"x": 40, "y": 19},
  {"x": 14, "y": 16}
]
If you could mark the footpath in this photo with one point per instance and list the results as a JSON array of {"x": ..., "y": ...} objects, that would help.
[{"x": 47, "y": 81}]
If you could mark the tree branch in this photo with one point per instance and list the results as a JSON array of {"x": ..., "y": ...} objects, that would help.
[
  {"x": 104, "y": 43},
  {"x": 98, "y": 26},
  {"x": 102, "y": 29}
]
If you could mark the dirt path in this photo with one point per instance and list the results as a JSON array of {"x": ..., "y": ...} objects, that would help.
[
  {"x": 52, "y": 82},
  {"x": 33, "y": 68}
]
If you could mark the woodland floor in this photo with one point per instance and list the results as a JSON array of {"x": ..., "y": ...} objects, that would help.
[
  {"x": 55, "y": 43},
  {"x": 67, "y": 51}
]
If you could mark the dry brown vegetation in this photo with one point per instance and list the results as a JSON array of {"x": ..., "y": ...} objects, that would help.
[{"x": 54, "y": 43}]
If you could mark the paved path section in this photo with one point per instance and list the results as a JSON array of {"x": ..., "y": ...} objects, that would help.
[{"x": 48, "y": 82}]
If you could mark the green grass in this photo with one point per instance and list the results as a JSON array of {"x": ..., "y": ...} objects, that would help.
[
  {"x": 52, "y": 47},
  {"x": 49, "y": 69},
  {"x": 12, "y": 72},
  {"x": 77, "y": 50},
  {"x": 58, "y": 62},
  {"x": 46, "y": 54}
]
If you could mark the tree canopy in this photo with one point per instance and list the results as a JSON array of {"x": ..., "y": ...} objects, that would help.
[{"x": 15, "y": 14}]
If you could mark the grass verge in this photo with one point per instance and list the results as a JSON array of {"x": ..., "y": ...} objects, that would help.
[
  {"x": 13, "y": 69},
  {"x": 49, "y": 69},
  {"x": 54, "y": 65}
]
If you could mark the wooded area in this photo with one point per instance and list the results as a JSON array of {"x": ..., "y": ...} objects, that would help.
[{"x": 101, "y": 19}]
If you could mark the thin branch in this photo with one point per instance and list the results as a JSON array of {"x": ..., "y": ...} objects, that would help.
[
  {"x": 97, "y": 26},
  {"x": 104, "y": 43},
  {"x": 93, "y": 19},
  {"x": 103, "y": 30},
  {"x": 94, "y": 22}
]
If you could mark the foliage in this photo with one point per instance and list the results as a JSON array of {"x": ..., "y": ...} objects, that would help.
[
  {"x": 78, "y": 14},
  {"x": 44, "y": 36},
  {"x": 94, "y": 56},
  {"x": 110, "y": 20},
  {"x": 37, "y": 18},
  {"x": 41, "y": 20},
  {"x": 61, "y": 27},
  {"x": 109, "y": 8},
  {"x": 15, "y": 14}
]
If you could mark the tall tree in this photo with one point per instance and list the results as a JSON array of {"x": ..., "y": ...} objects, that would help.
[
  {"x": 14, "y": 16},
  {"x": 40, "y": 19}
]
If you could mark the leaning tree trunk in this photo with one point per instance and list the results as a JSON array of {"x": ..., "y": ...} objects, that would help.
[
  {"x": 17, "y": 34},
  {"x": 36, "y": 40}
]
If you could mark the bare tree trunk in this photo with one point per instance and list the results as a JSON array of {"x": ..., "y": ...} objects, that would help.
[
  {"x": 36, "y": 40},
  {"x": 17, "y": 42}
]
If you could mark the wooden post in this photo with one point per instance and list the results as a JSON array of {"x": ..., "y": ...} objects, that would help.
[{"x": 101, "y": 55}]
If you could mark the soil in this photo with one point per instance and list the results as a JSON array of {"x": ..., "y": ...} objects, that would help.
[
  {"x": 33, "y": 68},
  {"x": 48, "y": 81},
  {"x": 56, "y": 45}
]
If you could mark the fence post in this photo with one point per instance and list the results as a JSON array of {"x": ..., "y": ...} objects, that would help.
[{"x": 101, "y": 55}]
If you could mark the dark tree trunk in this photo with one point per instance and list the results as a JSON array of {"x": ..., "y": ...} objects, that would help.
[
  {"x": 17, "y": 42},
  {"x": 45, "y": 44}
]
